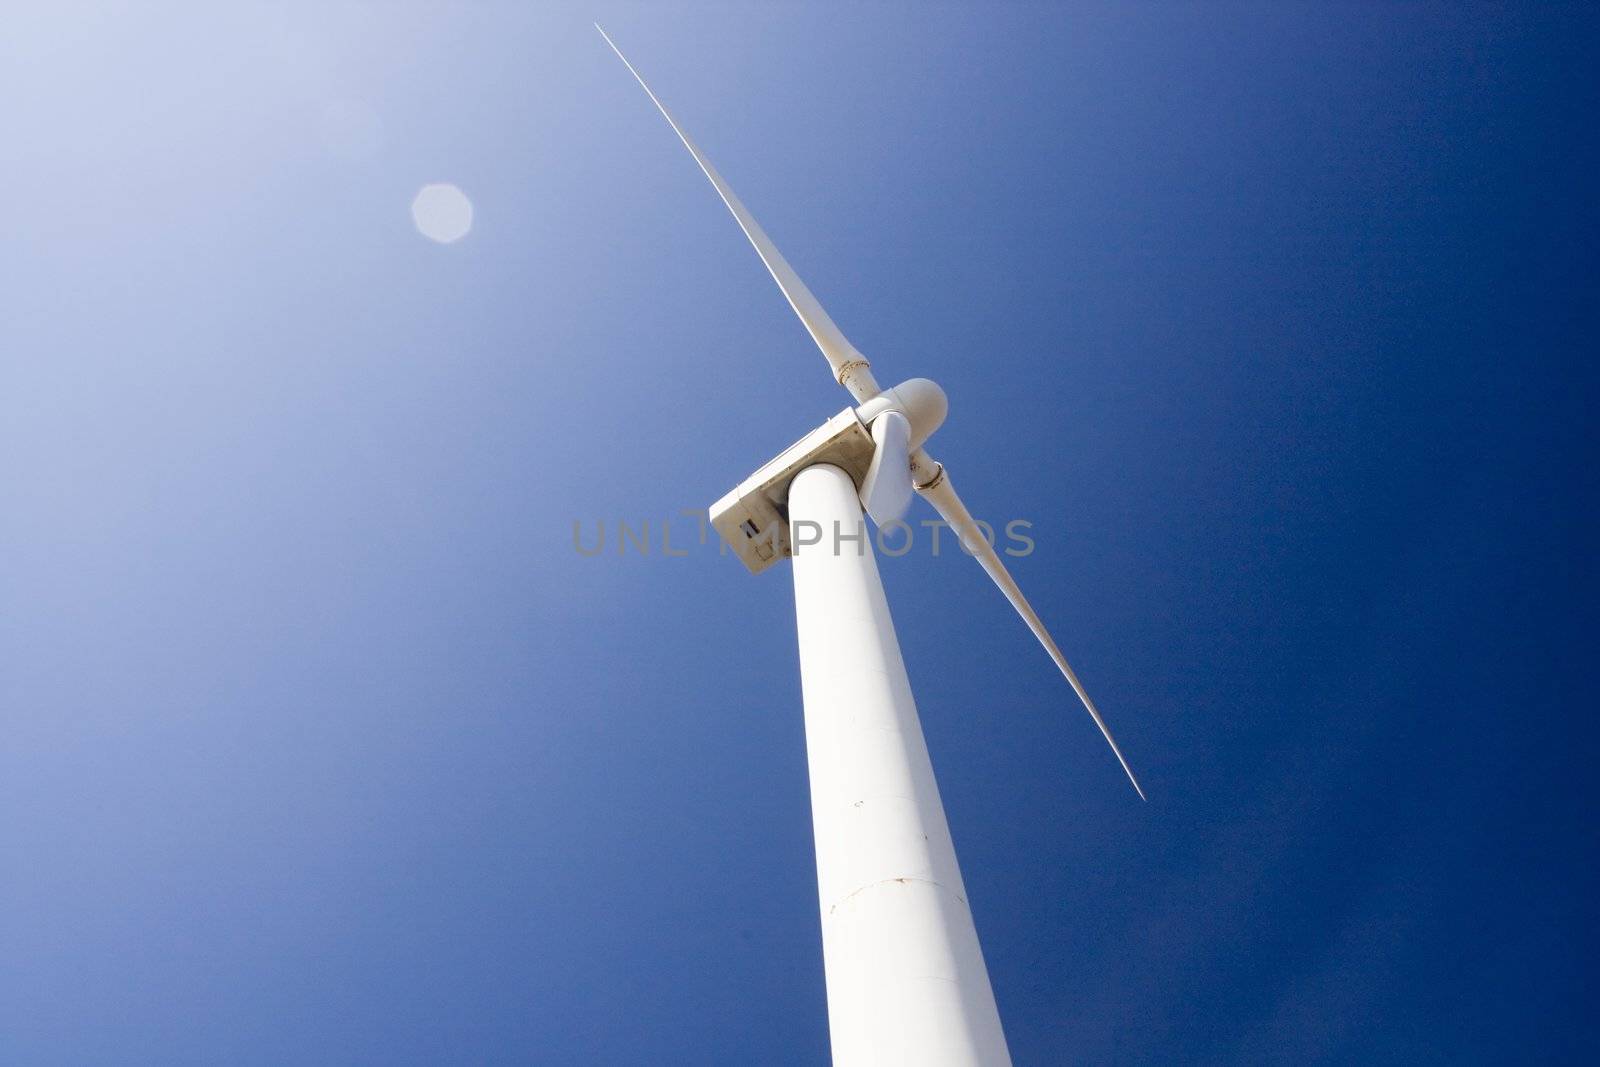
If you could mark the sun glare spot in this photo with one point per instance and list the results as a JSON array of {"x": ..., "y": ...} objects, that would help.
[{"x": 442, "y": 212}]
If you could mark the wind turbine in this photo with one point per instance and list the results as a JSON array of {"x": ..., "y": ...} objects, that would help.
[{"x": 905, "y": 973}]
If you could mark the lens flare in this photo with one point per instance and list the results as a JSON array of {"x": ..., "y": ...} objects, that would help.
[{"x": 442, "y": 212}]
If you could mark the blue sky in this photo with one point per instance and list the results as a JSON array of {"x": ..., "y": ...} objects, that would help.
[{"x": 321, "y": 743}]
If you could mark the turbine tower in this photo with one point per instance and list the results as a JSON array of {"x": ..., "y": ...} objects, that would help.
[{"x": 906, "y": 979}]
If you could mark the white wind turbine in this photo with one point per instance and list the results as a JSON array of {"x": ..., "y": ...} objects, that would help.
[{"x": 905, "y": 973}]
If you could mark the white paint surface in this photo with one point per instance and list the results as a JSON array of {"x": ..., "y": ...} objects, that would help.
[{"x": 906, "y": 978}]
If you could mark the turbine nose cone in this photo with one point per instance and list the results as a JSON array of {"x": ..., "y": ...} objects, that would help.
[
  {"x": 925, "y": 406},
  {"x": 922, "y": 402}
]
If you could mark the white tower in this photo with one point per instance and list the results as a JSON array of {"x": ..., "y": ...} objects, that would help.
[{"x": 906, "y": 980}]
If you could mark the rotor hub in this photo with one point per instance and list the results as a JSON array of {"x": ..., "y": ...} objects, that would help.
[{"x": 920, "y": 400}]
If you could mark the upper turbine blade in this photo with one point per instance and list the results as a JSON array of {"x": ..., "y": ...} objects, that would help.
[
  {"x": 942, "y": 495},
  {"x": 886, "y": 490},
  {"x": 842, "y": 356}
]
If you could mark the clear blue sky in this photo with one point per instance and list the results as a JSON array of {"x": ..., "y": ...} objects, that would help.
[{"x": 320, "y": 744}]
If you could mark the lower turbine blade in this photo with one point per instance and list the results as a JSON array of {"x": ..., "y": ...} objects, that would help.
[
  {"x": 942, "y": 495},
  {"x": 886, "y": 490}
]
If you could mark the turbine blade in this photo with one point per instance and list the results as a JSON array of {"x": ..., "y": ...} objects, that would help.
[
  {"x": 942, "y": 495},
  {"x": 886, "y": 490},
  {"x": 840, "y": 353}
]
